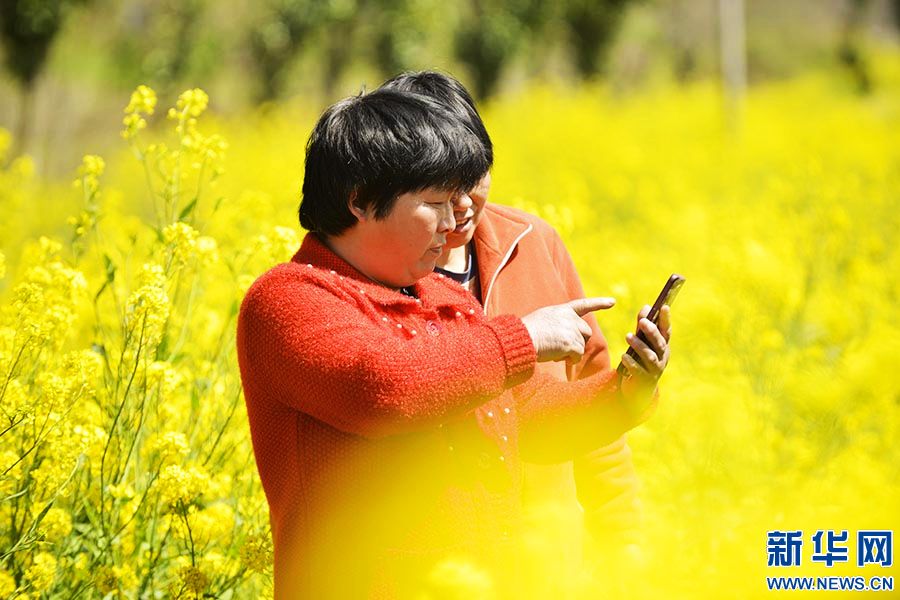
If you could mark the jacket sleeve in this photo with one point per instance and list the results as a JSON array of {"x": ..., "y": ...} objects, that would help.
[
  {"x": 605, "y": 478},
  {"x": 317, "y": 350}
]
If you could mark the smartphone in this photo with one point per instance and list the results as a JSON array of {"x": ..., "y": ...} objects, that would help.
[{"x": 666, "y": 296}]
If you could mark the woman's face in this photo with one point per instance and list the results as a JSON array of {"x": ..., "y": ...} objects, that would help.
[
  {"x": 407, "y": 242},
  {"x": 467, "y": 211}
]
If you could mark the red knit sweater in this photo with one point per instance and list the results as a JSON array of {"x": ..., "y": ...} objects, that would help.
[{"x": 384, "y": 429}]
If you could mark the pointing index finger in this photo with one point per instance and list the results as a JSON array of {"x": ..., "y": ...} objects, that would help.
[{"x": 583, "y": 306}]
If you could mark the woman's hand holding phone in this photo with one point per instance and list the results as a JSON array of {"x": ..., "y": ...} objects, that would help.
[
  {"x": 652, "y": 347},
  {"x": 644, "y": 363},
  {"x": 648, "y": 353}
]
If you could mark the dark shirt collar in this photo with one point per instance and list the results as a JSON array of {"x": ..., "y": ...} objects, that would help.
[
  {"x": 469, "y": 274},
  {"x": 434, "y": 290}
]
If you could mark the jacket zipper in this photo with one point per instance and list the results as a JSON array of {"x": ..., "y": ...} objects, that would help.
[{"x": 487, "y": 296}]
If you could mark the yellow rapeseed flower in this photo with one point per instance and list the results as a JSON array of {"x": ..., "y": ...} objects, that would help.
[
  {"x": 143, "y": 100},
  {"x": 7, "y": 583},
  {"x": 215, "y": 522},
  {"x": 42, "y": 572},
  {"x": 256, "y": 553},
  {"x": 110, "y": 579},
  {"x": 285, "y": 242},
  {"x": 207, "y": 250},
  {"x": 178, "y": 485},
  {"x": 105, "y": 580},
  {"x": 171, "y": 445},
  {"x": 92, "y": 167},
  {"x": 148, "y": 306},
  {"x": 190, "y": 102},
  {"x": 56, "y": 525},
  {"x": 182, "y": 240},
  {"x": 191, "y": 584},
  {"x": 121, "y": 491}
]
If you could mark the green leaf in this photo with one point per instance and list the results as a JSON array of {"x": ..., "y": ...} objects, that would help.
[
  {"x": 187, "y": 210},
  {"x": 110, "y": 268}
]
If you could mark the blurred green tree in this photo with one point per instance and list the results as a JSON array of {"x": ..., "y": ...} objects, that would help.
[
  {"x": 159, "y": 42},
  {"x": 27, "y": 31},
  {"x": 490, "y": 34},
  {"x": 389, "y": 48},
  {"x": 276, "y": 39},
  {"x": 592, "y": 26},
  {"x": 283, "y": 32},
  {"x": 850, "y": 52}
]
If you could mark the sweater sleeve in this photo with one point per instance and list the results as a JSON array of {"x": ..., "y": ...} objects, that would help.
[
  {"x": 560, "y": 420},
  {"x": 316, "y": 350}
]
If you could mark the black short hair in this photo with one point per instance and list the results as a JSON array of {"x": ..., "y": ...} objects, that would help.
[
  {"x": 448, "y": 91},
  {"x": 371, "y": 148}
]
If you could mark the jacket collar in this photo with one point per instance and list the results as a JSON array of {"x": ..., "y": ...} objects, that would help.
[
  {"x": 495, "y": 238},
  {"x": 434, "y": 290}
]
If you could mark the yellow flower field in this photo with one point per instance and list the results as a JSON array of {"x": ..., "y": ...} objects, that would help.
[{"x": 126, "y": 469}]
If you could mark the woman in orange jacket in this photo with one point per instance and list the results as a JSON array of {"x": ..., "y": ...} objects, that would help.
[{"x": 513, "y": 263}]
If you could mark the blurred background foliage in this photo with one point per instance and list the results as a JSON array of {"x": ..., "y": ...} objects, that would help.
[
  {"x": 68, "y": 61},
  {"x": 768, "y": 177}
]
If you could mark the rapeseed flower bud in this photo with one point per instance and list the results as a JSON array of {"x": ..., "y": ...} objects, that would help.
[
  {"x": 164, "y": 378},
  {"x": 56, "y": 525},
  {"x": 83, "y": 367},
  {"x": 105, "y": 580},
  {"x": 111, "y": 579},
  {"x": 120, "y": 491},
  {"x": 210, "y": 149},
  {"x": 153, "y": 275},
  {"x": 133, "y": 123},
  {"x": 148, "y": 306},
  {"x": 143, "y": 101},
  {"x": 285, "y": 241},
  {"x": 171, "y": 445},
  {"x": 190, "y": 102},
  {"x": 256, "y": 553},
  {"x": 7, "y": 583},
  {"x": 179, "y": 487},
  {"x": 92, "y": 167},
  {"x": 193, "y": 581},
  {"x": 181, "y": 239},
  {"x": 51, "y": 477},
  {"x": 8, "y": 482},
  {"x": 207, "y": 250},
  {"x": 42, "y": 572},
  {"x": 215, "y": 522},
  {"x": 215, "y": 564}
]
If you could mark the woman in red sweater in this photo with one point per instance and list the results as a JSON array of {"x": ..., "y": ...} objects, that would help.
[{"x": 388, "y": 414}]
